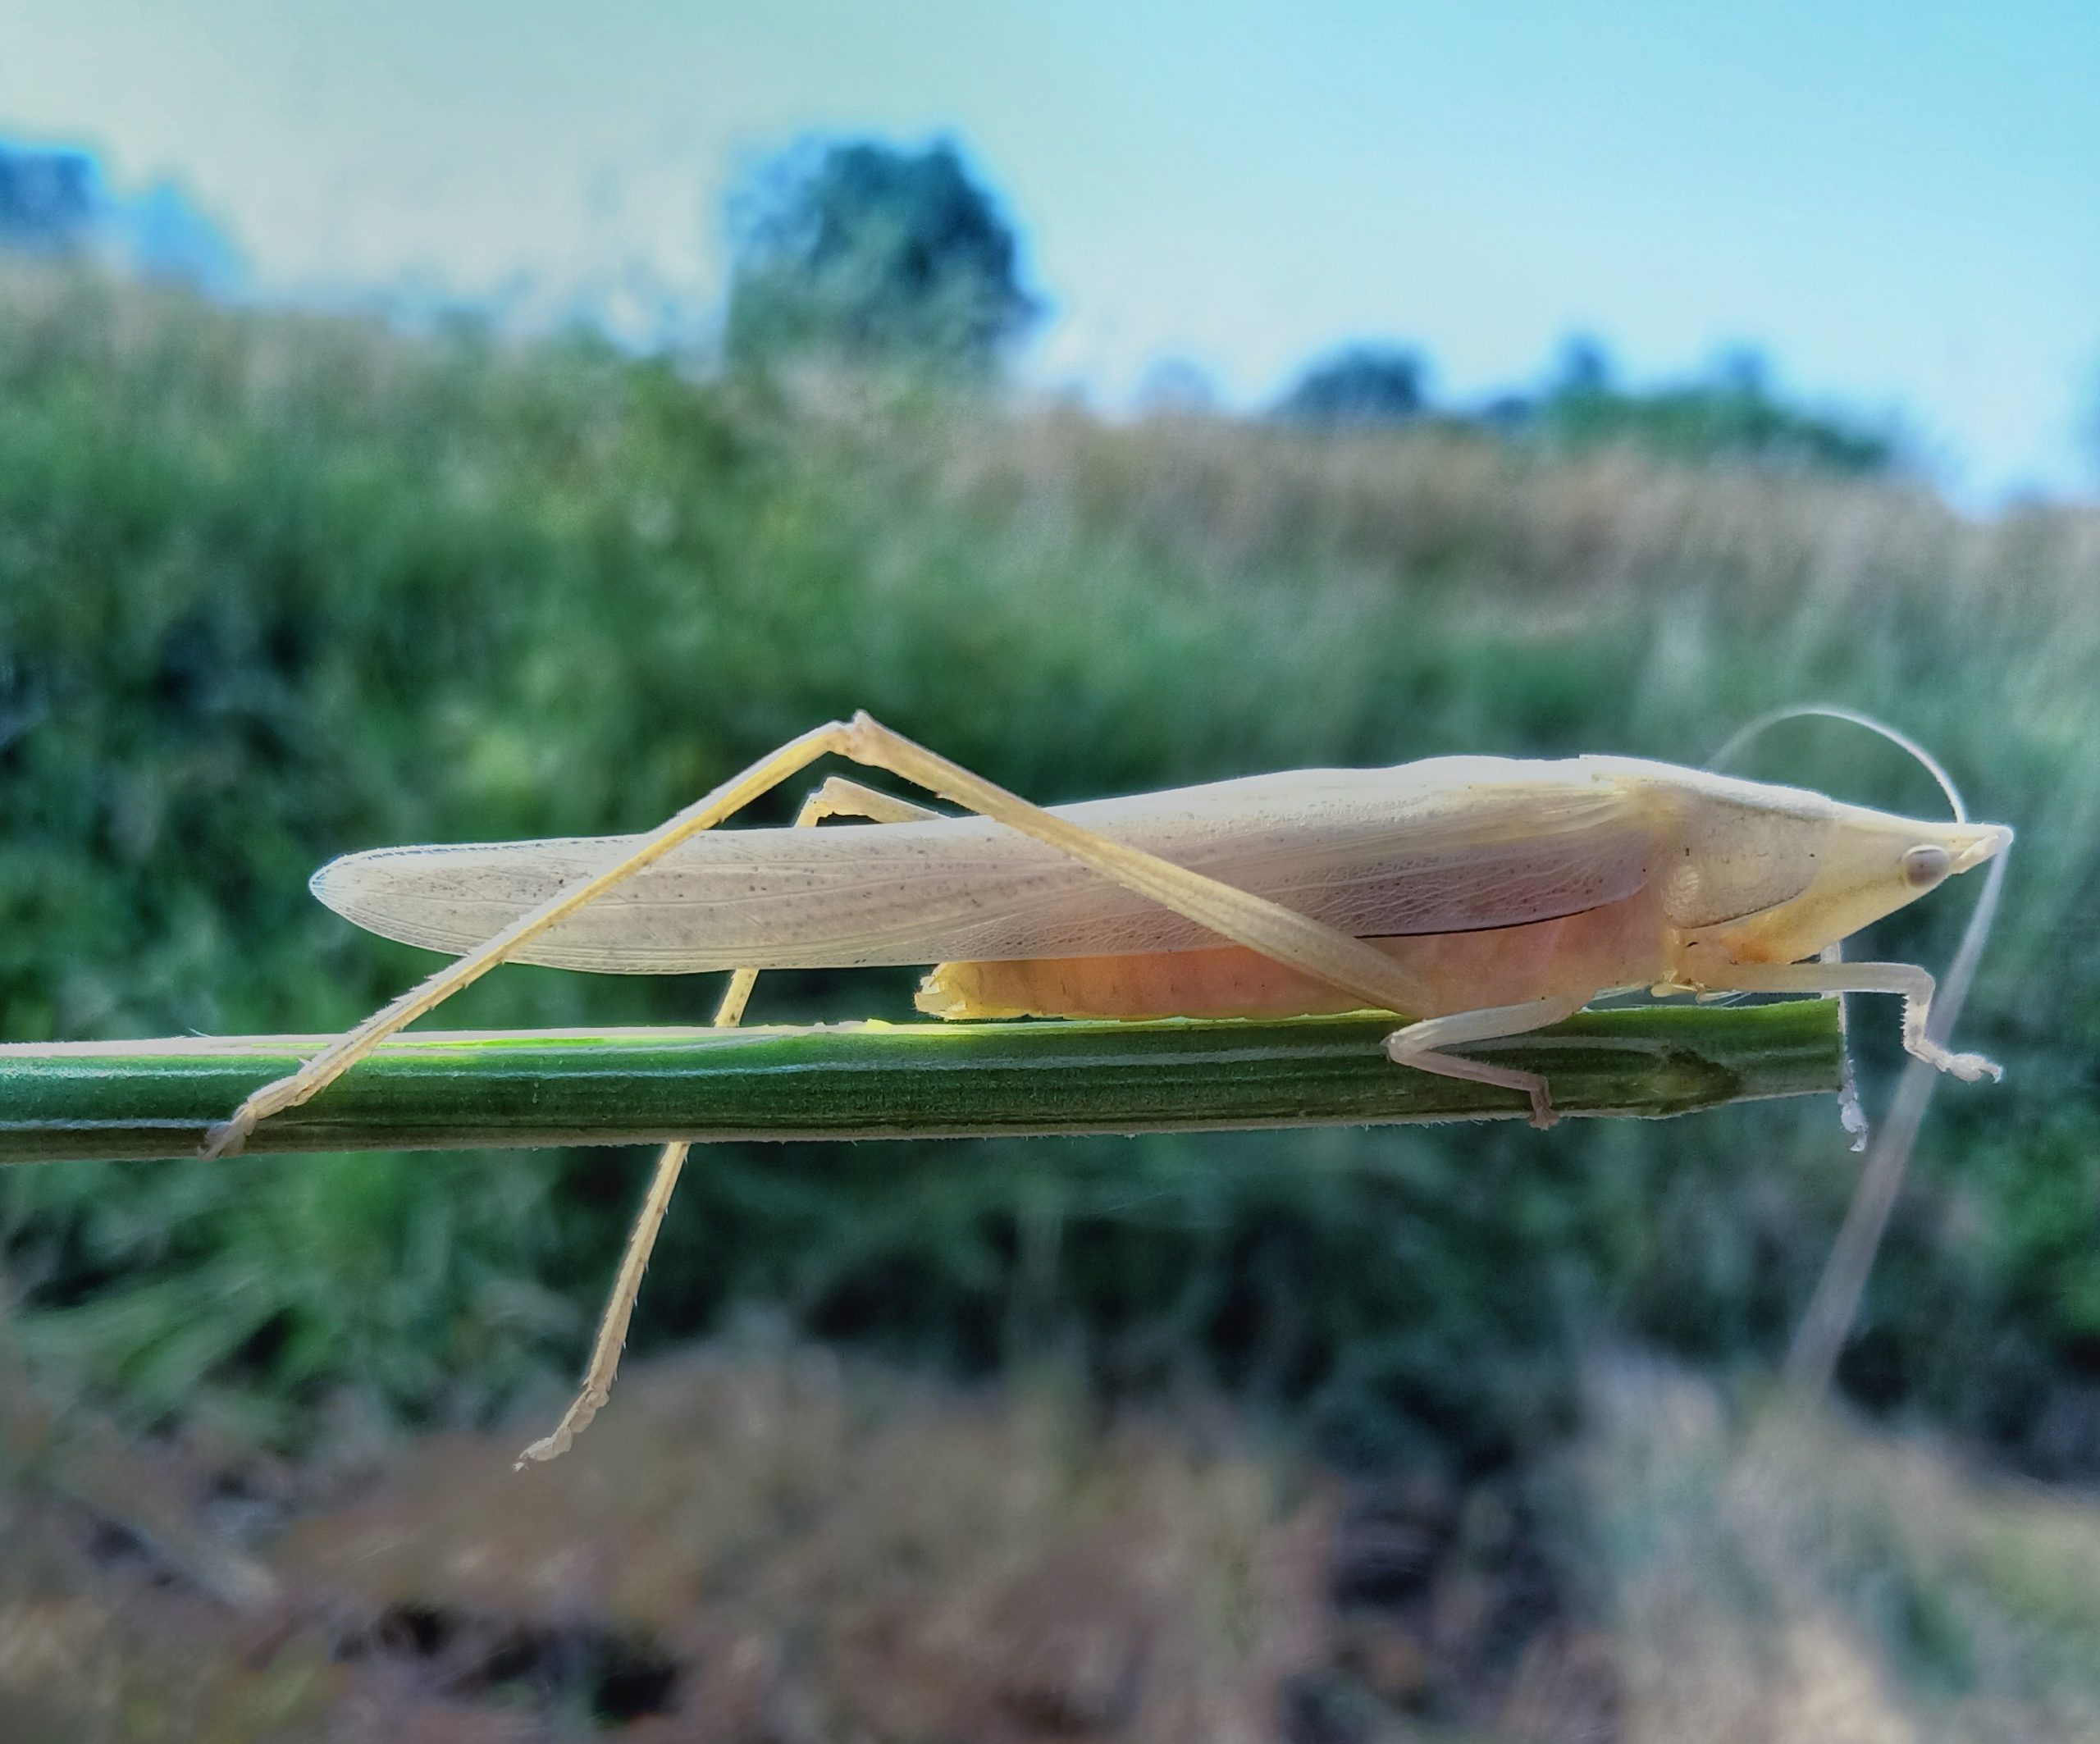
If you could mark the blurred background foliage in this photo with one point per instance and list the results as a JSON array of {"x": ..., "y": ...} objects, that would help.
[{"x": 275, "y": 585}]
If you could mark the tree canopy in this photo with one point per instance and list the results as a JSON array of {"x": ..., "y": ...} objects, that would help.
[
  {"x": 47, "y": 199},
  {"x": 1732, "y": 412},
  {"x": 1359, "y": 387},
  {"x": 874, "y": 255}
]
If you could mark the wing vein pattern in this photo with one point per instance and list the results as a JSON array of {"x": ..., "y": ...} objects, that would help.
[{"x": 1447, "y": 845}]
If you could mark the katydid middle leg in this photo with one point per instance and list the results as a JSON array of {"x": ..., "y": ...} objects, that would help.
[
  {"x": 1421, "y": 1045},
  {"x": 837, "y": 798}
]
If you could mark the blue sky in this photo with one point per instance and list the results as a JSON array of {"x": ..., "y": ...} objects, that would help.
[{"x": 1900, "y": 203}]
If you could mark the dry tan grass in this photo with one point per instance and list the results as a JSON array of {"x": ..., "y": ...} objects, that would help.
[
  {"x": 824, "y": 1555},
  {"x": 1803, "y": 1579},
  {"x": 750, "y": 1549},
  {"x": 790, "y": 1548},
  {"x": 1249, "y": 497}
]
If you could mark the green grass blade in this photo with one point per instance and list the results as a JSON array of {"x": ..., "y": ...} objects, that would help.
[{"x": 155, "y": 1099}]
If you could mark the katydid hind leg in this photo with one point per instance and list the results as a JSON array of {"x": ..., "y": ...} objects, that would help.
[{"x": 1281, "y": 934}]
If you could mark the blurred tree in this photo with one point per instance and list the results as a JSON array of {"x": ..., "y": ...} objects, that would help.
[
  {"x": 1743, "y": 370},
  {"x": 1360, "y": 387},
  {"x": 872, "y": 255},
  {"x": 1584, "y": 367},
  {"x": 1734, "y": 413},
  {"x": 47, "y": 199},
  {"x": 56, "y": 201}
]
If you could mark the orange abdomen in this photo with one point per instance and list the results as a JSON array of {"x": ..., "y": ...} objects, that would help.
[{"x": 1622, "y": 944}]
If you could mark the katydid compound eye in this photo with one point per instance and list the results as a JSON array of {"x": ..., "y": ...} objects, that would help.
[{"x": 1925, "y": 866}]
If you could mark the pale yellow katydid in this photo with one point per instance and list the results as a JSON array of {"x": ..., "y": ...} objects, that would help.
[{"x": 1480, "y": 897}]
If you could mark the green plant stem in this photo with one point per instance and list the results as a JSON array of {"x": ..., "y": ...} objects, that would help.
[{"x": 155, "y": 1098}]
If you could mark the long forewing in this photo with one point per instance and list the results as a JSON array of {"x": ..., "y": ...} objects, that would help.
[{"x": 1448, "y": 845}]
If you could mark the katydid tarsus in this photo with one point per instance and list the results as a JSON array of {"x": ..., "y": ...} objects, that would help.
[{"x": 1480, "y": 897}]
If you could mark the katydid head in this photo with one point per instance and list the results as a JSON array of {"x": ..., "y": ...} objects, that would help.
[
  {"x": 1865, "y": 865},
  {"x": 1848, "y": 865},
  {"x": 1759, "y": 873}
]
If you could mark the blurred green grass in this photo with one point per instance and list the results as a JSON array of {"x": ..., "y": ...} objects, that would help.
[{"x": 273, "y": 588}]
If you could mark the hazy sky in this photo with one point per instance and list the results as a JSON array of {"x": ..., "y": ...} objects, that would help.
[{"x": 1901, "y": 202}]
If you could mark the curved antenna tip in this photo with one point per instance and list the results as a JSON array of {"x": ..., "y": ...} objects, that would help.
[{"x": 1760, "y": 725}]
